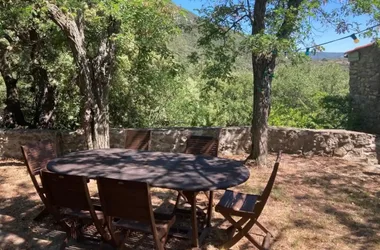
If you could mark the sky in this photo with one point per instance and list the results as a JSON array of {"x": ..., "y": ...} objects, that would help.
[{"x": 321, "y": 36}]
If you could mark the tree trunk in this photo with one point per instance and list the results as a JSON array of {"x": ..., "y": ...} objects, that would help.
[
  {"x": 100, "y": 116},
  {"x": 263, "y": 72},
  {"x": 94, "y": 75},
  {"x": 47, "y": 117},
  {"x": 13, "y": 115},
  {"x": 263, "y": 68},
  {"x": 44, "y": 98},
  {"x": 101, "y": 119},
  {"x": 44, "y": 92}
]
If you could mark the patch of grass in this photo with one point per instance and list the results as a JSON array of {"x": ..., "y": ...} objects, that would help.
[{"x": 278, "y": 194}]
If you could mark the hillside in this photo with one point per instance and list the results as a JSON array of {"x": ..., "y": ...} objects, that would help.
[
  {"x": 328, "y": 56},
  {"x": 185, "y": 43}
]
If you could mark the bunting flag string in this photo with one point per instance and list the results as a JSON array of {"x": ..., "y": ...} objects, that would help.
[{"x": 353, "y": 36}]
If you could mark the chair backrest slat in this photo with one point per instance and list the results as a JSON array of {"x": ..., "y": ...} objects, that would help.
[
  {"x": 202, "y": 145},
  {"x": 268, "y": 188},
  {"x": 137, "y": 139},
  {"x": 129, "y": 200},
  {"x": 37, "y": 155},
  {"x": 67, "y": 191}
]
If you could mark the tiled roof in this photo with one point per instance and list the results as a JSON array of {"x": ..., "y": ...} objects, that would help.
[{"x": 359, "y": 48}]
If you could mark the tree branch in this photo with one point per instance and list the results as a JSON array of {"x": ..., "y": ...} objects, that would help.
[
  {"x": 8, "y": 38},
  {"x": 107, "y": 50},
  {"x": 249, "y": 12},
  {"x": 5, "y": 67},
  {"x": 80, "y": 23},
  {"x": 288, "y": 25},
  {"x": 233, "y": 25},
  {"x": 71, "y": 30}
]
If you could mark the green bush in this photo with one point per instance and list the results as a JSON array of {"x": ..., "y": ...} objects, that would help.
[{"x": 311, "y": 95}]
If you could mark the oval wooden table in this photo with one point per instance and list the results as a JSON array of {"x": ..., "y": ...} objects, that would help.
[{"x": 176, "y": 171}]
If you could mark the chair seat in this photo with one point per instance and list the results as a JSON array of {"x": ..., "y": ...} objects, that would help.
[
  {"x": 81, "y": 214},
  {"x": 163, "y": 224},
  {"x": 237, "y": 203}
]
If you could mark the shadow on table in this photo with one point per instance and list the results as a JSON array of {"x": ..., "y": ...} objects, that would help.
[{"x": 167, "y": 170}]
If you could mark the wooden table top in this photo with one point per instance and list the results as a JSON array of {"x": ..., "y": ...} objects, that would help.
[{"x": 160, "y": 169}]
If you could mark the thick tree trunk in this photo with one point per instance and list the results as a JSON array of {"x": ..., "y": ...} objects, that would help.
[
  {"x": 101, "y": 121},
  {"x": 264, "y": 64},
  {"x": 74, "y": 31},
  {"x": 45, "y": 93},
  {"x": 263, "y": 68},
  {"x": 44, "y": 98},
  {"x": 100, "y": 114},
  {"x": 47, "y": 117},
  {"x": 94, "y": 75},
  {"x": 13, "y": 115}
]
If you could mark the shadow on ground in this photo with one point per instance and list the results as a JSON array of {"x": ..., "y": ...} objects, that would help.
[
  {"x": 317, "y": 203},
  {"x": 336, "y": 198}
]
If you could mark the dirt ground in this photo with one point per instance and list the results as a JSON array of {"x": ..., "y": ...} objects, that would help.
[{"x": 317, "y": 203}]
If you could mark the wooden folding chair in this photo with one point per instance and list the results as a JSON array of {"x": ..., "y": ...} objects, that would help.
[
  {"x": 36, "y": 156},
  {"x": 69, "y": 201},
  {"x": 248, "y": 208},
  {"x": 127, "y": 205},
  {"x": 201, "y": 145},
  {"x": 137, "y": 139}
]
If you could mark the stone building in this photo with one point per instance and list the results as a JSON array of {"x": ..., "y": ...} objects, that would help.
[{"x": 365, "y": 87}]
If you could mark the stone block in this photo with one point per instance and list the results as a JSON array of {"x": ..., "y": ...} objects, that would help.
[
  {"x": 340, "y": 152},
  {"x": 117, "y": 138},
  {"x": 348, "y": 146},
  {"x": 235, "y": 140}
]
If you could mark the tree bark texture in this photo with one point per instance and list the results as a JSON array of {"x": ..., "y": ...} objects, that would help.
[
  {"x": 45, "y": 98},
  {"x": 263, "y": 72},
  {"x": 13, "y": 115},
  {"x": 94, "y": 76},
  {"x": 261, "y": 92},
  {"x": 45, "y": 92}
]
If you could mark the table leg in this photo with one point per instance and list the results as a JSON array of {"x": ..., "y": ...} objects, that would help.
[
  {"x": 194, "y": 224},
  {"x": 209, "y": 208},
  {"x": 42, "y": 214}
]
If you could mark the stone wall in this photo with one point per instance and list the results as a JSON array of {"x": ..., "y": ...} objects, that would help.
[
  {"x": 365, "y": 88},
  {"x": 11, "y": 140},
  {"x": 339, "y": 143},
  {"x": 174, "y": 139},
  {"x": 232, "y": 140}
]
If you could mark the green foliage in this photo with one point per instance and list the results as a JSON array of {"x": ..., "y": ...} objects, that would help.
[
  {"x": 227, "y": 103},
  {"x": 311, "y": 95},
  {"x": 155, "y": 84},
  {"x": 144, "y": 70}
]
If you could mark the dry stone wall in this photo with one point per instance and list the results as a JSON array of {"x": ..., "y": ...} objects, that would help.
[
  {"x": 340, "y": 143},
  {"x": 365, "y": 89},
  {"x": 232, "y": 140},
  {"x": 174, "y": 139}
]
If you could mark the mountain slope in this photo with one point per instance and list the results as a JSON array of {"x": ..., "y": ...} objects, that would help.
[{"x": 185, "y": 43}]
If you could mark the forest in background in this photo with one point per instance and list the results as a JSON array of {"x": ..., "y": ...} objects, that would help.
[{"x": 178, "y": 88}]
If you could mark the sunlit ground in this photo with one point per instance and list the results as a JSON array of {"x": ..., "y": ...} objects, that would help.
[{"x": 317, "y": 203}]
